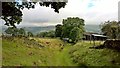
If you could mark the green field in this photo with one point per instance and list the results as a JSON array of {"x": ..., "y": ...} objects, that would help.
[
  {"x": 54, "y": 52},
  {"x": 17, "y": 53}
]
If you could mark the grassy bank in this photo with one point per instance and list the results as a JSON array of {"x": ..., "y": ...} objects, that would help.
[
  {"x": 18, "y": 53},
  {"x": 54, "y": 52},
  {"x": 82, "y": 54}
]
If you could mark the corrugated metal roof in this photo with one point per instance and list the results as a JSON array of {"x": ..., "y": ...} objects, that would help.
[{"x": 98, "y": 35}]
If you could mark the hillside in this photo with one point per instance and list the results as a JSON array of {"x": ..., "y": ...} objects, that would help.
[
  {"x": 54, "y": 52},
  {"x": 82, "y": 53},
  {"x": 48, "y": 53},
  {"x": 35, "y": 30}
]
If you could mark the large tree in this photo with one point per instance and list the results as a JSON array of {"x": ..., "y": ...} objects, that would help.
[
  {"x": 71, "y": 28},
  {"x": 12, "y": 11},
  {"x": 111, "y": 29},
  {"x": 69, "y": 24}
]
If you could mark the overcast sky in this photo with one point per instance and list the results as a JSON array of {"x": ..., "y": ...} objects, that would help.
[{"x": 92, "y": 11}]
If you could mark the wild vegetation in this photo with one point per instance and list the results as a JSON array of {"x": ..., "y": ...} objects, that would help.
[
  {"x": 35, "y": 52},
  {"x": 84, "y": 55},
  {"x": 48, "y": 48},
  {"x": 111, "y": 29},
  {"x": 54, "y": 52},
  {"x": 72, "y": 29},
  {"x": 63, "y": 47}
]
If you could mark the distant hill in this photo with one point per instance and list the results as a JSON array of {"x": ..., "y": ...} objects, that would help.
[
  {"x": 93, "y": 28},
  {"x": 35, "y": 30}
]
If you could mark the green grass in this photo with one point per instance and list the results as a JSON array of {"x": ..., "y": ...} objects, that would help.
[
  {"x": 0, "y": 51},
  {"x": 83, "y": 55},
  {"x": 19, "y": 53}
]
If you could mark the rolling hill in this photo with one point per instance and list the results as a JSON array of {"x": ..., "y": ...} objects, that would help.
[{"x": 35, "y": 30}]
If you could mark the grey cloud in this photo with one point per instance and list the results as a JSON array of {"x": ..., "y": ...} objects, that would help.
[
  {"x": 40, "y": 15},
  {"x": 35, "y": 20},
  {"x": 45, "y": 15}
]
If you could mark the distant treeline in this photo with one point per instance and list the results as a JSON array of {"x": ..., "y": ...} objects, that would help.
[{"x": 71, "y": 29}]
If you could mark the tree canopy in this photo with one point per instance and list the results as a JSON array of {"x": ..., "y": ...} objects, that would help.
[
  {"x": 12, "y": 11},
  {"x": 70, "y": 23},
  {"x": 111, "y": 29},
  {"x": 75, "y": 34},
  {"x": 71, "y": 28}
]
